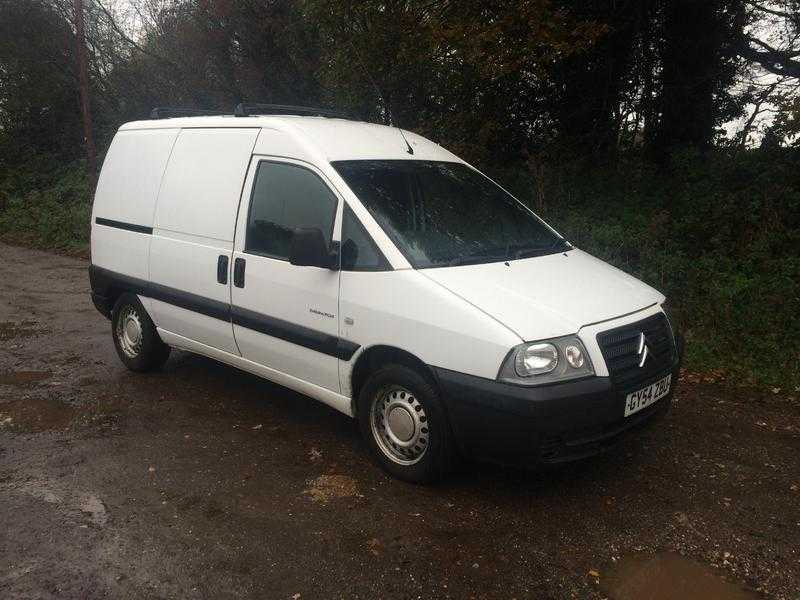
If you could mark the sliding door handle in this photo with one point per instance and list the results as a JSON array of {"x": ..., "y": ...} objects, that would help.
[
  {"x": 238, "y": 272},
  {"x": 222, "y": 269}
]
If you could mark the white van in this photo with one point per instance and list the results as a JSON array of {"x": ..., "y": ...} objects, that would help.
[{"x": 373, "y": 270}]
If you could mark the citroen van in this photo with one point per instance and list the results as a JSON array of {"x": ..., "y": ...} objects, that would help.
[{"x": 369, "y": 268}]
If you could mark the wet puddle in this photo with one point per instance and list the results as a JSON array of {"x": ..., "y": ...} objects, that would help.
[
  {"x": 34, "y": 415},
  {"x": 23, "y": 378},
  {"x": 668, "y": 577}
]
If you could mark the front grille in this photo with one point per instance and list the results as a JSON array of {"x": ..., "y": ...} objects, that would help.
[{"x": 620, "y": 348}]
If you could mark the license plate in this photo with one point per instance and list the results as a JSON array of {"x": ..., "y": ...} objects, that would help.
[{"x": 636, "y": 401}]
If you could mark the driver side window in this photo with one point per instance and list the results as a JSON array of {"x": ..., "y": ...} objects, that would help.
[{"x": 284, "y": 197}]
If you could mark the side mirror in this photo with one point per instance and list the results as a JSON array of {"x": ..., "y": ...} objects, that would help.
[{"x": 308, "y": 249}]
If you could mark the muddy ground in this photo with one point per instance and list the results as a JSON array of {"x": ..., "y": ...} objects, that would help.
[{"x": 205, "y": 482}]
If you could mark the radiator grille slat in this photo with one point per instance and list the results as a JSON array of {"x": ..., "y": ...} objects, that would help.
[{"x": 620, "y": 348}]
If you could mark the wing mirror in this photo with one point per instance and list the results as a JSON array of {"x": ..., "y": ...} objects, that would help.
[{"x": 308, "y": 249}]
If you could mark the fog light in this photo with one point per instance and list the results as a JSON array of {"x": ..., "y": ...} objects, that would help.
[{"x": 574, "y": 356}]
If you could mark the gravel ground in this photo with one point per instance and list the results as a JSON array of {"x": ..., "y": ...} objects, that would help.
[{"x": 204, "y": 482}]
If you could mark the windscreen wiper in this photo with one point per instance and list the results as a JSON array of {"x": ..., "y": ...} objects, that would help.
[
  {"x": 541, "y": 250},
  {"x": 471, "y": 259}
]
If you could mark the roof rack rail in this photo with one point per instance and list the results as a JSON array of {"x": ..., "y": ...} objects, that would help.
[
  {"x": 245, "y": 109},
  {"x": 165, "y": 112}
]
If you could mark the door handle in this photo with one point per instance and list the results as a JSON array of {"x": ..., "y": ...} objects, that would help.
[
  {"x": 238, "y": 272},
  {"x": 222, "y": 269}
]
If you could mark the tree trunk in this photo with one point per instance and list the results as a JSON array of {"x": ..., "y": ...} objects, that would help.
[
  {"x": 83, "y": 87},
  {"x": 691, "y": 65}
]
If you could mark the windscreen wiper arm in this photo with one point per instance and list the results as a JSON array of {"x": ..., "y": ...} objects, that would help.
[{"x": 539, "y": 250}]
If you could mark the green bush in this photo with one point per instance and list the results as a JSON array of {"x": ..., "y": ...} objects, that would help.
[
  {"x": 46, "y": 209},
  {"x": 718, "y": 234}
]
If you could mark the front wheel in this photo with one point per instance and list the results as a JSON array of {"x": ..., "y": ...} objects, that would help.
[
  {"x": 135, "y": 337},
  {"x": 401, "y": 418}
]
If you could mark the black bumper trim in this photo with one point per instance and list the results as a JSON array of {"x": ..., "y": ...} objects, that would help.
[{"x": 505, "y": 423}]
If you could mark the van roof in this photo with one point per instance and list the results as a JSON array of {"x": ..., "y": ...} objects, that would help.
[{"x": 334, "y": 138}]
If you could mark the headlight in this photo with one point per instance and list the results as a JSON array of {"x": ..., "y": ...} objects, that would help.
[
  {"x": 547, "y": 361},
  {"x": 535, "y": 359}
]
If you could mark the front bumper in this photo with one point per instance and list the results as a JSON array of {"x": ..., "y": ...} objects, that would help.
[{"x": 512, "y": 424}]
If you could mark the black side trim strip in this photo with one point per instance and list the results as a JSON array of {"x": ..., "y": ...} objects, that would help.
[
  {"x": 125, "y": 226},
  {"x": 296, "y": 334},
  {"x": 103, "y": 280},
  {"x": 199, "y": 304}
]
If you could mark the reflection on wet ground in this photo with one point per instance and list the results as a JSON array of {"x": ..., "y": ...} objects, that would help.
[{"x": 668, "y": 576}]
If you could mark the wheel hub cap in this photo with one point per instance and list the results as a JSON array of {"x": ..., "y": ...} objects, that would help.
[
  {"x": 399, "y": 425},
  {"x": 129, "y": 332}
]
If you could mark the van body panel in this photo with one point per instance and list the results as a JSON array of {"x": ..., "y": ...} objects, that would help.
[
  {"x": 287, "y": 316},
  {"x": 126, "y": 195},
  {"x": 201, "y": 188},
  {"x": 406, "y": 310},
  {"x": 340, "y": 140},
  {"x": 280, "y": 143},
  {"x": 322, "y": 137},
  {"x": 303, "y": 297},
  {"x": 191, "y": 267},
  {"x": 121, "y": 251},
  {"x": 129, "y": 181},
  {"x": 548, "y": 296},
  {"x": 194, "y": 226}
]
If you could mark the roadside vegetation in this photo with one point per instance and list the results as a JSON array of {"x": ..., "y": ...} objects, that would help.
[{"x": 611, "y": 120}]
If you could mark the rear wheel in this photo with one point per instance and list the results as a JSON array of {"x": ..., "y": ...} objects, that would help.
[
  {"x": 135, "y": 337},
  {"x": 402, "y": 420}
]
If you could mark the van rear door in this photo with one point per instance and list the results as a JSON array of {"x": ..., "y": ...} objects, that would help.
[
  {"x": 286, "y": 316},
  {"x": 195, "y": 219}
]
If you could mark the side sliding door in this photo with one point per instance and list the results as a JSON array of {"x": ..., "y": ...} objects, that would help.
[
  {"x": 286, "y": 317},
  {"x": 195, "y": 220}
]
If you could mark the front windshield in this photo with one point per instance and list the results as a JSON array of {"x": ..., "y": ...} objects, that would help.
[{"x": 443, "y": 213}]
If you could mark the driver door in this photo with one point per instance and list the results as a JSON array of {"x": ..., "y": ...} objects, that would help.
[{"x": 286, "y": 317}]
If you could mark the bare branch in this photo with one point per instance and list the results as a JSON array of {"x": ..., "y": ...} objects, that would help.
[
  {"x": 774, "y": 61},
  {"x": 791, "y": 17},
  {"x": 127, "y": 39}
]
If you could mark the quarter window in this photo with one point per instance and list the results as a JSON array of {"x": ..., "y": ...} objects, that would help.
[
  {"x": 286, "y": 197},
  {"x": 359, "y": 252}
]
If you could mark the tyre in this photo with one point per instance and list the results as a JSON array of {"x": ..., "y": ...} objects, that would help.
[
  {"x": 402, "y": 420},
  {"x": 135, "y": 337}
]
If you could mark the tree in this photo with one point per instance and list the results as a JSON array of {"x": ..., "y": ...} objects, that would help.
[
  {"x": 38, "y": 87},
  {"x": 697, "y": 70}
]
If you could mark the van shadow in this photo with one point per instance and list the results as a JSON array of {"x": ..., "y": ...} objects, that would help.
[{"x": 251, "y": 400}]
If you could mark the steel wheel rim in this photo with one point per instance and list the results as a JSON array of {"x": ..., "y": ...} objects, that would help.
[
  {"x": 129, "y": 332},
  {"x": 400, "y": 425}
]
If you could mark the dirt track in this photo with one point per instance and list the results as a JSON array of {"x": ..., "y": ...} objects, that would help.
[{"x": 205, "y": 482}]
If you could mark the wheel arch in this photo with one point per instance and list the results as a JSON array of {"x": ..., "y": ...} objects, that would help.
[{"x": 373, "y": 358}]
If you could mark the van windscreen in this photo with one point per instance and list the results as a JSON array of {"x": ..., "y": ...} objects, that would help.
[{"x": 444, "y": 213}]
